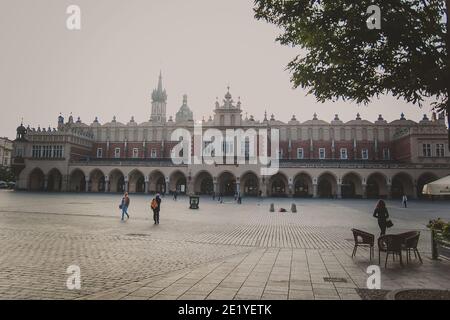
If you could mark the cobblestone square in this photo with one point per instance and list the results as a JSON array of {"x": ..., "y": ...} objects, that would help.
[{"x": 221, "y": 251}]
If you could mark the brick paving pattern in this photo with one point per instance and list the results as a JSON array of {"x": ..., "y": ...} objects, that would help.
[{"x": 218, "y": 252}]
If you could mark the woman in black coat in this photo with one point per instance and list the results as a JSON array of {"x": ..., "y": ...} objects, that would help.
[{"x": 382, "y": 215}]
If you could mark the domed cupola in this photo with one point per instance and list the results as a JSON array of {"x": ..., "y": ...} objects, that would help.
[{"x": 185, "y": 113}]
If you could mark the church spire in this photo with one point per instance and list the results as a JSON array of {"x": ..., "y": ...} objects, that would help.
[
  {"x": 159, "y": 94},
  {"x": 159, "y": 102}
]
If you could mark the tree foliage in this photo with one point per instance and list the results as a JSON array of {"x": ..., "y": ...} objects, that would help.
[{"x": 343, "y": 59}]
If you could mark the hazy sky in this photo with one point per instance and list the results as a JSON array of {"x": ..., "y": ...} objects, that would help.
[{"x": 111, "y": 66}]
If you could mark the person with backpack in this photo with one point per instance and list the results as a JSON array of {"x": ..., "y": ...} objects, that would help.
[
  {"x": 124, "y": 206},
  {"x": 156, "y": 207}
]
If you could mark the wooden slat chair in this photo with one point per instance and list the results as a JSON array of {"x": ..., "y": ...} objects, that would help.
[{"x": 363, "y": 239}]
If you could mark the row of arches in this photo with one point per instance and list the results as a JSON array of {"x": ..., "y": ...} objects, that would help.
[{"x": 327, "y": 185}]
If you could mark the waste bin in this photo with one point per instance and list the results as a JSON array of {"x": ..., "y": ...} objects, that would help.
[{"x": 193, "y": 202}]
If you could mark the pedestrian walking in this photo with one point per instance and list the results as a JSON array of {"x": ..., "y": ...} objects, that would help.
[
  {"x": 156, "y": 207},
  {"x": 381, "y": 213},
  {"x": 405, "y": 201},
  {"x": 125, "y": 203},
  {"x": 175, "y": 195}
]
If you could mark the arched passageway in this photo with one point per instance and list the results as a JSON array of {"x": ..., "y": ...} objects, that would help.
[
  {"x": 77, "y": 181},
  {"x": 327, "y": 186},
  {"x": 116, "y": 181},
  {"x": 178, "y": 182},
  {"x": 157, "y": 182},
  {"x": 402, "y": 184},
  {"x": 97, "y": 181},
  {"x": 303, "y": 186},
  {"x": 278, "y": 185},
  {"x": 226, "y": 184},
  {"x": 351, "y": 186},
  {"x": 376, "y": 187},
  {"x": 136, "y": 182},
  {"x": 36, "y": 180},
  {"x": 54, "y": 182},
  {"x": 423, "y": 180},
  {"x": 249, "y": 184},
  {"x": 203, "y": 183}
]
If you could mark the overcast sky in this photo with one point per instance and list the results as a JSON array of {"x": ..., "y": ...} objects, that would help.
[{"x": 111, "y": 66}]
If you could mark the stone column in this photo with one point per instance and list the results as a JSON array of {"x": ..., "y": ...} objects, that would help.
[
  {"x": 65, "y": 183},
  {"x": 146, "y": 184},
  {"x": 126, "y": 183},
  {"x": 215, "y": 188},
  {"x": 389, "y": 191},
  {"x": 167, "y": 185},
  {"x": 290, "y": 190},
  {"x": 415, "y": 195},
  {"x": 238, "y": 188},
  {"x": 315, "y": 193},
  {"x": 87, "y": 186},
  {"x": 106, "y": 184},
  {"x": 46, "y": 183},
  {"x": 364, "y": 191},
  {"x": 339, "y": 190}
]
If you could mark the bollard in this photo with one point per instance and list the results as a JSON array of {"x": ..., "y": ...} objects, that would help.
[
  {"x": 293, "y": 208},
  {"x": 272, "y": 207},
  {"x": 434, "y": 250}
]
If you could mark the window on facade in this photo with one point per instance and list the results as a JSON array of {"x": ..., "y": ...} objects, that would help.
[
  {"x": 300, "y": 154},
  {"x": 344, "y": 155},
  {"x": 440, "y": 150},
  {"x": 227, "y": 147},
  {"x": 99, "y": 152},
  {"x": 19, "y": 152},
  {"x": 135, "y": 153},
  {"x": 117, "y": 153},
  {"x": 153, "y": 153},
  {"x": 365, "y": 154},
  {"x": 48, "y": 152},
  {"x": 386, "y": 154},
  {"x": 321, "y": 153},
  {"x": 426, "y": 150}
]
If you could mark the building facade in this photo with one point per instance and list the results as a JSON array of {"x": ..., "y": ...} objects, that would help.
[
  {"x": 6, "y": 148},
  {"x": 352, "y": 159}
]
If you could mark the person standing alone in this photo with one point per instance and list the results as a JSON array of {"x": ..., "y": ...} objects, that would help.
[
  {"x": 405, "y": 201},
  {"x": 156, "y": 207},
  {"x": 124, "y": 206},
  {"x": 381, "y": 213}
]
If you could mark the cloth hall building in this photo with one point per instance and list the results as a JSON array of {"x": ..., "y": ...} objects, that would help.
[{"x": 343, "y": 159}]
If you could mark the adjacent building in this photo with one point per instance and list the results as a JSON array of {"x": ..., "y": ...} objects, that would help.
[
  {"x": 6, "y": 148},
  {"x": 317, "y": 158}
]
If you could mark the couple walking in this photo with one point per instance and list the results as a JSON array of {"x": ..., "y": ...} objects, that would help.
[{"x": 155, "y": 206}]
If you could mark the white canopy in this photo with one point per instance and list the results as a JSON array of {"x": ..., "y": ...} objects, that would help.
[{"x": 439, "y": 187}]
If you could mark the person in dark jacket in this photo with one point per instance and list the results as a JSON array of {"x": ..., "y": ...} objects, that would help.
[
  {"x": 157, "y": 208},
  {"x": 381, "y": 213}
]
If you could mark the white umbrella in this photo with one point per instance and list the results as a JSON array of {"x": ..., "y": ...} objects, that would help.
[{"x": 439, "y": 187}]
